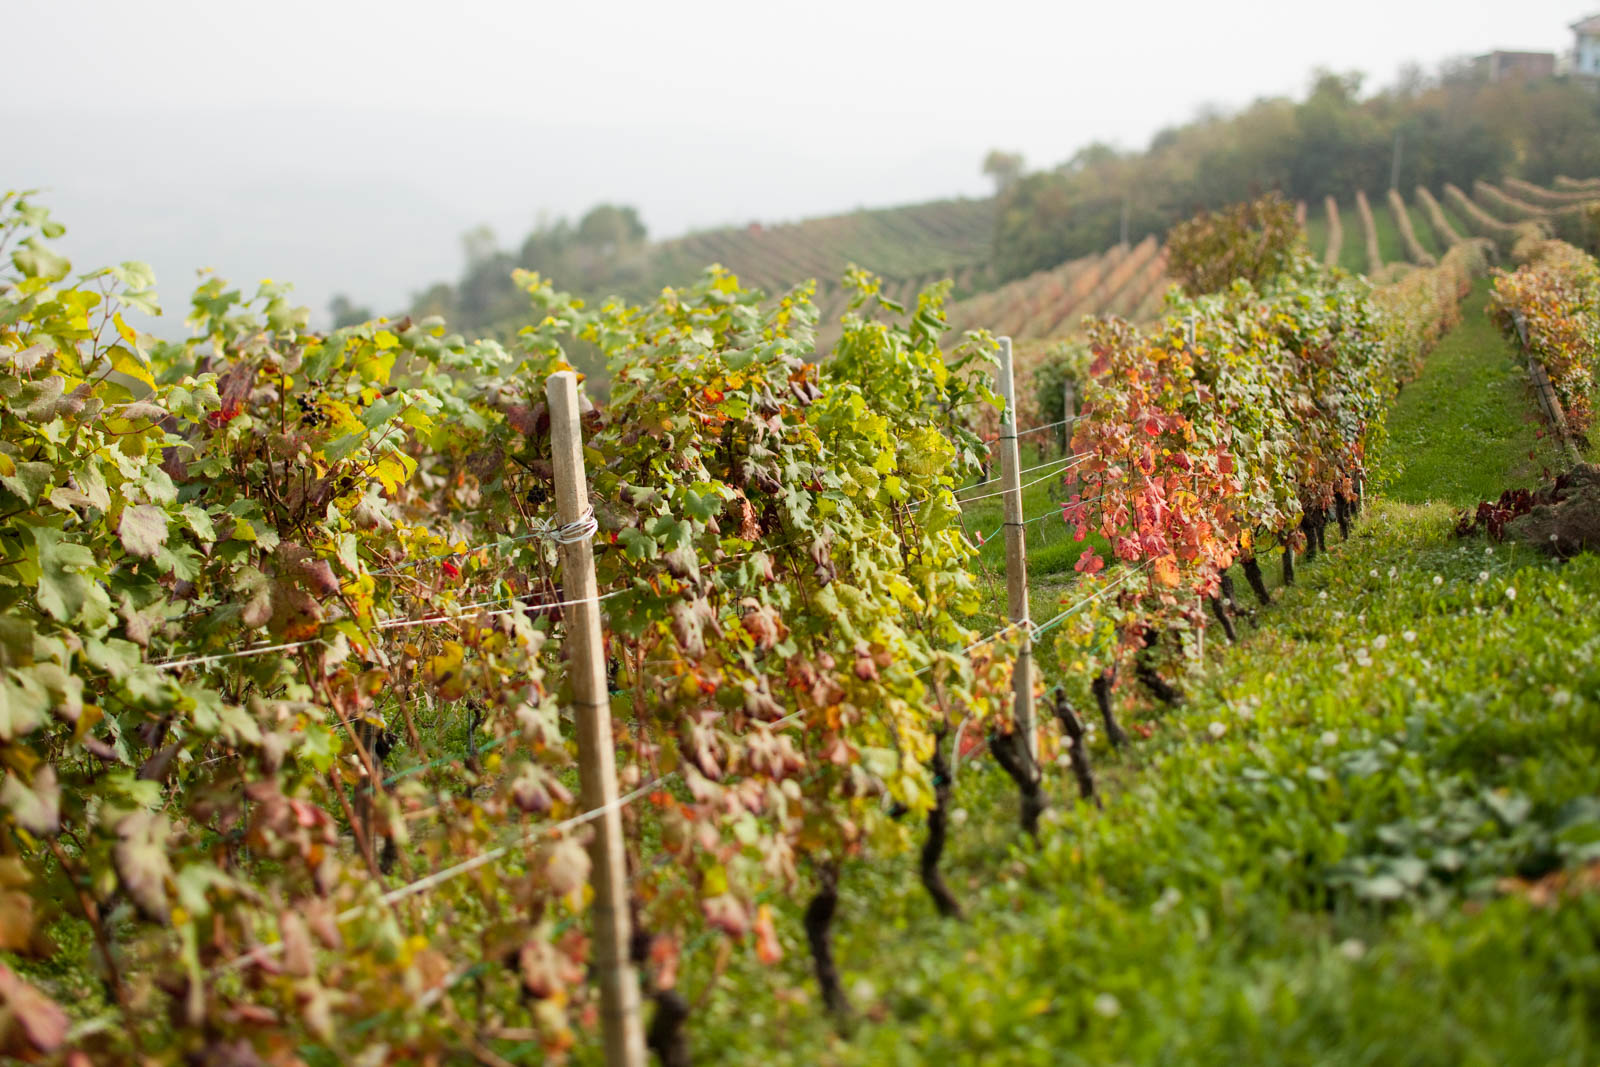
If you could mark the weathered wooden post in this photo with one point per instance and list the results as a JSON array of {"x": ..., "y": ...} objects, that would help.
[
  {"x": 1069, "y": 412},
  {"x": 1547, "y": 395},
  {"x": 620, "y": 1021},
  {"x": 1016, "y": 554}
]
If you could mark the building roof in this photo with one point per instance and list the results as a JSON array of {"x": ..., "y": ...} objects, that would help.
[{"x": 1588, "y": 26}]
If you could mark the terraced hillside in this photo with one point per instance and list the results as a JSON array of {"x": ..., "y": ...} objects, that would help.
[
  {"x": 1126, "y": 281},
  {"x": 908, "y": 246},
  {"x": 1378, "y": 233}
]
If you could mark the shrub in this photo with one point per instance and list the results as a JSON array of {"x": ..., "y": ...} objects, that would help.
[
  {"x": 1250, "y": 241},
  {"x": 1551, "y": 304}
]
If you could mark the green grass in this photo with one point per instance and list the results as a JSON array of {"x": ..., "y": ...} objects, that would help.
[
  {"x": 1389, "y": 242},
  {"x": 1464, "y": 430},
  {"x": 1426, "y": 236},
  {"x": 1301, "y": 866},
  {"x": 1317, "y": 231},
  {"x": 1052, "y": 552},
  {"x": 1455, "y": 220},
  {"x": 1353, "y": 250}
]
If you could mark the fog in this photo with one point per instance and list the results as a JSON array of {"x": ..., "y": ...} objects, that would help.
[{"x": 345, "y": 147}]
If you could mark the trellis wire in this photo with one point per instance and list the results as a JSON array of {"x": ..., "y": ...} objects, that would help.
[
  {"x": 1037, "y": 429},
  {"x": 1074, "y": 458},
  {"x": 1053, "y": 513},
  {"x": 1025, "y": 470},
  {"x": 1042, "y": 478},
  {"x": 387, "y": 624}
]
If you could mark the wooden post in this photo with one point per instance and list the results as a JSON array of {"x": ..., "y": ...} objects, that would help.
[
  {"x": 620, "y": 1021},
  {"x": 1069, "y": 411},
  {"x": 1016, "y": 554},
  {"x": 1547, "y": 395}
]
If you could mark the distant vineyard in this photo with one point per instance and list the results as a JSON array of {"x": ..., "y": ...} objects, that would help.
[
  {"x": 1587, "y": 185},
  {"x": 1443, "y": 227},
  {"x": 1330, "y": 254},
  {"x": 1408, "y": 231},
  {"x": 1369, "y": 232},
  {"x": 910, "y": 246},
  {"x": 1049, "y": 305},
  {"x": 1397, "y": 231},
  {"x": 1131, "y": 282}
]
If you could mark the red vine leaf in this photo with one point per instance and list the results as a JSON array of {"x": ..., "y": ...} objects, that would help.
[{"x": 30, "y": 1022}]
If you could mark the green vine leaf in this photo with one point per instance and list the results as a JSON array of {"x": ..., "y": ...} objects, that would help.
[
  {"x": 143, "y": 530},
  {"x": 141, "y": 861},
  {"x": 36, "y": 805}
]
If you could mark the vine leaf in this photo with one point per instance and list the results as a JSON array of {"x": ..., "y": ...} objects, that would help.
[
  {"x": 21, "y": 710},
  {"x": 546, "y": 970},
  {"x": 143, "y": 530},
  {"x": 36, "y": 807},
  {"x": 141, "y": 860},
  {"x": 63, "y": 591},
  {"x": 40, "y": 1023},
  {"x": 30, "y": 481},
  {"x": 299, "y": 957},
  {"x": 768, "y": 948},
  {"x": 296, "y": 615},
  {"x": 568, "y": 867},
  {"x": 16, "y": 907},
  {"x": 256, "y": 592},
  {"x": 725, "y": 912}
]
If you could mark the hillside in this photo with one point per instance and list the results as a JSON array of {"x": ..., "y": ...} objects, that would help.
[
  {"x": 605, "y": 254},
  {"x": 1410, "y": 230},
  {"x": 917, "y": 245},
  {"x": 921, "y": 242},
  {"x": 1365, "y": 234}
]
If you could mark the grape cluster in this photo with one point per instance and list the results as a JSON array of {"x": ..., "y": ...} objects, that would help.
[
  {"x": 310, "y": 405},
  {"x": 538, "y": 495}
]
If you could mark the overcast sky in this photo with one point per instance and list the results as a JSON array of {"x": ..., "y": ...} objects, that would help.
[{"x": 345, "y": 146}]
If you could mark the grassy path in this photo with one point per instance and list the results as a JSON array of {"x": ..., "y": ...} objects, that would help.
[
  {"x": 1467, "y": 428},
  {"x": 1357, "y": 842}
]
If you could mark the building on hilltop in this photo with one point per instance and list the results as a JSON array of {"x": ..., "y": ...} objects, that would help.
[
  {"x": 1516, "y": 66},
  {"x": 1586, "y": 47}
]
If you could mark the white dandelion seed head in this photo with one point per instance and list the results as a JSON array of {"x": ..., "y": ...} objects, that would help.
[{"x": 1169, "y": 899}]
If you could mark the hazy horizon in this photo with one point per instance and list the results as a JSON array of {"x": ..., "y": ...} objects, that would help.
[{"x": 347, "y": 151}]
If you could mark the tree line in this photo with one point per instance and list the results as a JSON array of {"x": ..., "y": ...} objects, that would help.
[{"x": 1428, "y": 129}]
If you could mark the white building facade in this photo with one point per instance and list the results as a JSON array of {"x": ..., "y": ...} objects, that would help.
[{"x": 1586, "y": 47}]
